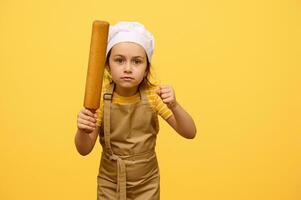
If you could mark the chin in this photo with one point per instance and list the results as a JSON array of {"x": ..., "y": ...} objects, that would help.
[{"x": 128, "y": 85}]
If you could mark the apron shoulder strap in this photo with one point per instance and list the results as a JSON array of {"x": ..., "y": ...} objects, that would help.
[
  {"x": 107, "y": 98},
  {"x": 121, "y": 168}
]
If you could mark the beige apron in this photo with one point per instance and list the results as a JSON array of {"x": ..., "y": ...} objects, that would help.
[{"x": 128, "y": 168}]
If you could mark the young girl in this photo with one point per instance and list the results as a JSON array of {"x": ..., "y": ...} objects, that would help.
[{"x": 127, "y": 120}]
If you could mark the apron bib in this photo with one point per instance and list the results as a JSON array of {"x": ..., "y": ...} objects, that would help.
[{"x": 128, "y": 167}]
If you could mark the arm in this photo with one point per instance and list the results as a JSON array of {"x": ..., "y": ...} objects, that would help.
[
  {"x": 87, "y": 132},
  {"x": 180, "y": 121}
]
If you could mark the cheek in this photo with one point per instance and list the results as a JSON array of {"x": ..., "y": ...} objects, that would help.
[
  {"x": 114, "y": 72},
  {"x": 142, "y": 72}
]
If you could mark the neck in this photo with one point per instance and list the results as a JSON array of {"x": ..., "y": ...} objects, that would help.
[{"x": 126, "y": 92}]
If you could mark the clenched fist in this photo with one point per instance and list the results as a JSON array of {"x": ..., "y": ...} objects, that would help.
[
  {"x": 167, "y": 95},
  {"x": 86, "y": 120}
]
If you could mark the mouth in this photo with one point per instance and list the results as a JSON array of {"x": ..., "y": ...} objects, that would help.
[{"x": 126, "y": 78}]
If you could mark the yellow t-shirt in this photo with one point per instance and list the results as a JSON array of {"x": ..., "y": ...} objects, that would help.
[{"x": 155, "y": 102}]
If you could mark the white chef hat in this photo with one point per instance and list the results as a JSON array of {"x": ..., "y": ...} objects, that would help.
[{"x": 131, "y": 32}]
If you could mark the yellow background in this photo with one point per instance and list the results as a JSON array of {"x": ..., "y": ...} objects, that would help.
[{"x": 235, "y": 66}]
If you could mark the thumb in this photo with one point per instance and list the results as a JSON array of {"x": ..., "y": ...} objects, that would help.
[{"x": 158, "y": 91}]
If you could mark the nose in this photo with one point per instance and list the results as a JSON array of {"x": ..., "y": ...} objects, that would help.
[{"x": 128, "y": 68}]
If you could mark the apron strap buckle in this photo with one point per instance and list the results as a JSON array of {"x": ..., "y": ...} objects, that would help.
[{"x": 107, "y": 96}]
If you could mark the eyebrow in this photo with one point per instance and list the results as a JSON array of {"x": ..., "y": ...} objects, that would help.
[
  {"x": 138, "y": 57},
  {"x": 133, "y": 56}
]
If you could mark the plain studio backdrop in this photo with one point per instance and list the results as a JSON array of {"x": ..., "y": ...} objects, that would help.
[{"x": 235, "y": 66}]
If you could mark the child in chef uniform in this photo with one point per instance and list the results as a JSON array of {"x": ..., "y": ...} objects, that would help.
[{"x": 127, "y": 120}]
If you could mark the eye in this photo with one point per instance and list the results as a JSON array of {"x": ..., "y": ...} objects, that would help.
[
  {"x": 137, "y": 61},
  {"x": 118, "y": 60}
]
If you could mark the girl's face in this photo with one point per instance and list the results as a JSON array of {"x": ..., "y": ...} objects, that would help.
[{"x": 127, "y": 66}]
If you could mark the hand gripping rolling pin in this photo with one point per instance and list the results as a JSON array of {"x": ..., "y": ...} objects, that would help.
[{"x": 96, "y": 65}]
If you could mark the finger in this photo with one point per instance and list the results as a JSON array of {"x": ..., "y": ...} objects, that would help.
[
  {"x": 86, "y": 117},
  {"x": 165, "y": 95},
  {"x": 85, "y": 122},
  {"x": 160, "y": 87},
  {"x": 88, "y": 112},
  {"x": 165, "y": 90},
  {"x": 168, "y": 100}
]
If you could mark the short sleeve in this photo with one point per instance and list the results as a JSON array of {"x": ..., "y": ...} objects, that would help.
[{"x": 158, "y": 105}]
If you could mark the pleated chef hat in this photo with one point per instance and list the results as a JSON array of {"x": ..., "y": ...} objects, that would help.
[{"x": 131, "y": 32}]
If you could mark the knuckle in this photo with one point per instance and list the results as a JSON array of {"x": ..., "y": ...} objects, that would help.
[{"x": 86, "y": 122}]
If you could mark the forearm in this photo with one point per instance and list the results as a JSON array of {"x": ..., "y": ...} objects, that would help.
[
  {"x": 83, "y": 142},
  {"x": 184, "y": 123}
]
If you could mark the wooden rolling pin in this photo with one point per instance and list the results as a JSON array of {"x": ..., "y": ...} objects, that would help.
[{"x": 97, "y": 58}]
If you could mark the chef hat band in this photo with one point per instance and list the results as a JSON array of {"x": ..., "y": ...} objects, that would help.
[{"x": 131, "y": 32}]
